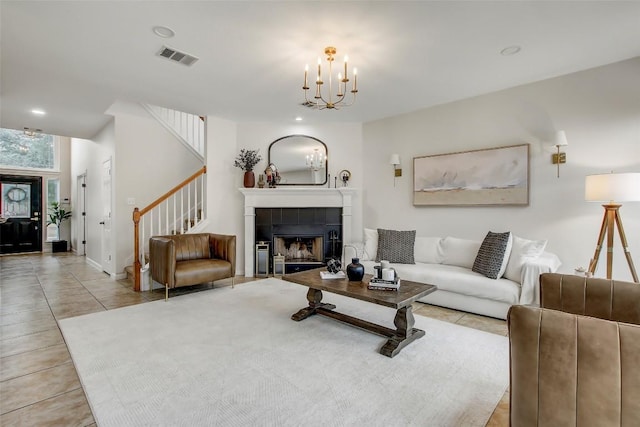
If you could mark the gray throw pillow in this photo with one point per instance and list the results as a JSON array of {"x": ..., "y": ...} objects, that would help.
[
  {"x": 491, "y": 255},
  {"x": 396, "y": 246}
]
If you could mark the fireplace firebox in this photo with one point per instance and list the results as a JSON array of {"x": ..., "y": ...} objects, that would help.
[{"x": 306, "y": 237}]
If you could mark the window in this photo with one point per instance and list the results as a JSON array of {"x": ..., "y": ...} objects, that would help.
[
  {"x": 53, "y": 195},
  {"x": 20, "y": 151}
]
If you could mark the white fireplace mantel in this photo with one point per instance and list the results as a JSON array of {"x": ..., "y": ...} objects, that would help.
[{"x": 292, "y": 197}]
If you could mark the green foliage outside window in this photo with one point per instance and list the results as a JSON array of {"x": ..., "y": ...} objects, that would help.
[{"x": 21, "y": 151}]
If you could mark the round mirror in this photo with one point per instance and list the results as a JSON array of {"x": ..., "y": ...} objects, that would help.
[{"x": 300, "y": 160}]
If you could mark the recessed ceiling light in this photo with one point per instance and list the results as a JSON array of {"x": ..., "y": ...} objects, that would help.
[
  {"x": 298, "y": 119},
  {"x": 511, "y": 50},
  {"x": 38, "y": 112},
  {"x": 164, "y": 32}
]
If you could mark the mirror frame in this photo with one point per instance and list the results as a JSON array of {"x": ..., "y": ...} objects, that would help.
[{"x": 270, "y": 160}]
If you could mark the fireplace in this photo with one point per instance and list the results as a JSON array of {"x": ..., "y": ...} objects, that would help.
[
  {"x": 256, "y": 230},
  {"x": 306, "y": 237}
]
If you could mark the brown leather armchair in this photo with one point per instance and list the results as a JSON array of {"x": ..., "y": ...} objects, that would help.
[
  {"x": 575, "y": 361},
  {"x": 190, "y": 259}
]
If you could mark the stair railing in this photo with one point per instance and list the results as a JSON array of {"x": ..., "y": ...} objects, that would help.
[
  {"x": 190, "y": 129},
  {"x": 175, "y": 212}
]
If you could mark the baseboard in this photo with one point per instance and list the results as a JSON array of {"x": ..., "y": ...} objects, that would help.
[{"x": 93, "y": 263}]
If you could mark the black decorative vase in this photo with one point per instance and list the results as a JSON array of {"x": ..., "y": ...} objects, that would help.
[{"x": 355, "y": 270}]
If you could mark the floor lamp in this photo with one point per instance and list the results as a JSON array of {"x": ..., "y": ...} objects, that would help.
[{"x": 612, "y": 188}]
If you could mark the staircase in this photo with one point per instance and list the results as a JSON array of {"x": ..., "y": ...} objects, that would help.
[{"x": 181, "y": 209}]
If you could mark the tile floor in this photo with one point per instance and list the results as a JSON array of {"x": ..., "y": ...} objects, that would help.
[{"x": 38, "y": 382}]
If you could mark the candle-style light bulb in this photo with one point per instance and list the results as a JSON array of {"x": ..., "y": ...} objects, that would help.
[
  {"x": 355, "y": 80},
  {"x": 306, "y": 71},
  {"x": 346, "y": 59}
]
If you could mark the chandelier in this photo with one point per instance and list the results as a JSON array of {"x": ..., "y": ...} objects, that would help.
[
  {"x": 329, "y": 100},
  {"x": 31, "y": 133},
  {"x": 315, "y": 160}
]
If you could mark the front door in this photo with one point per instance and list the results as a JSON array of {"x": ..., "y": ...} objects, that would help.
[{"x": 21, "y": 213}]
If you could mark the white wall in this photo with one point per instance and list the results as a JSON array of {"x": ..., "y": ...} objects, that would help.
[
  {"x": 225, "y": 139},
  {"x": 599, "y": 110},
  {"x": 87, "y": 156}
]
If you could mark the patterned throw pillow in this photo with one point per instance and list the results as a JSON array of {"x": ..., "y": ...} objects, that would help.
[
  {"x": 396, "y": 246},
  {"x": 493, "y": 255}
]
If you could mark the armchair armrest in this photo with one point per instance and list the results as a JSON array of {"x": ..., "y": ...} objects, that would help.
[
  {"x": 530, "y": 276},
  {"x": 606, "y": 299},
  {"x": 162, "y": 259},
  {"x": 223, "y": 246}
]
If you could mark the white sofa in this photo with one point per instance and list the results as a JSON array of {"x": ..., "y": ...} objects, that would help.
[{"x": 447, "y": 262}]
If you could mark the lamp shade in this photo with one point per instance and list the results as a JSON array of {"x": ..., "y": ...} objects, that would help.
[
  {"x": 560, "y": 139},
  {"x": 614, "y": 187},
  {"x": 395, "y": 159}
]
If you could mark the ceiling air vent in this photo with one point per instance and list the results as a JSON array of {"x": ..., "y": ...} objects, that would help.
[{"x": 177, "y": 56}]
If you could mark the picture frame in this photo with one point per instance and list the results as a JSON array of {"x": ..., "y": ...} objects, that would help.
[{"x": 487, "y": 177}]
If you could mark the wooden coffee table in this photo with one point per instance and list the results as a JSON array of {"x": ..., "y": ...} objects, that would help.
[{"x": 401, "y": 300}]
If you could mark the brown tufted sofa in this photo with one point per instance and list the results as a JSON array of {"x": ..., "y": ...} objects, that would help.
[
  {"x": 190, "y": 259},
  {"x": 575, "y": 361}
]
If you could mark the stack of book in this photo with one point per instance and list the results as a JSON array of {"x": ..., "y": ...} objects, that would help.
[{"x": 384, "y": 285}]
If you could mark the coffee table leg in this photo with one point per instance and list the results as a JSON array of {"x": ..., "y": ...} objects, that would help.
[
  {"x": 405, "y": 332},
  {"x": 314, "y": 296}
]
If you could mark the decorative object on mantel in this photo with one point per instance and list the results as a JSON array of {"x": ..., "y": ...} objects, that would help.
[
  {"x": 273, "y": 177},
  {"x": 612, "y": 188},
  {"x": 559, "y": 141},
  {"x": 355, "y": 270},
  {"x": 321, "y": 101},
  {"x": 247, "y": 160},
  {"x": 344, "y": 175},
  {"x": 492, "y": 176},
  {"x": 261, "y": 181}
]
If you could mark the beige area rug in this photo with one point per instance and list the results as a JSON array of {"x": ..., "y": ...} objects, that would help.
[{"x": 233, "y": 357}]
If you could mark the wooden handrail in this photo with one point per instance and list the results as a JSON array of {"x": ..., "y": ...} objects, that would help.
[
  {"x": 171, "y": 192},
  {"x": 137, "y": 214}
]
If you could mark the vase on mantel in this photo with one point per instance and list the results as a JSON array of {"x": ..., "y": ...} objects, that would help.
[
  {"x": 355, "y": 270},
  {"x": 249, "y": 179}
]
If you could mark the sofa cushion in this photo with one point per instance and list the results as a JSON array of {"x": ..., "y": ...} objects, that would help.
[
  {"x": 427, "y": 250},
  {"x": 458, "y": 280},
  {"x": 198, "y": 271},
  {"x": 493, "y": 255},
  {"x": 370, "y": 244},
  {"x": 522, "y": 251},
  {"x": 396, "y": 246},
  {"x": 459, "y": 252}
]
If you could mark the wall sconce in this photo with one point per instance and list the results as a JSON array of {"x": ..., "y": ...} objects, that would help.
[
  {"x": 397, "y": 170},
  {"x": 559, "y": 141}
]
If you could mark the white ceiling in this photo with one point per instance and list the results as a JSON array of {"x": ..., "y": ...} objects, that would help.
[{"x": 74, "y": 59}]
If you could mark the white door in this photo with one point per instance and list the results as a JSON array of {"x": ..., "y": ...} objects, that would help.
[{"x": 107, "y": 256}]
